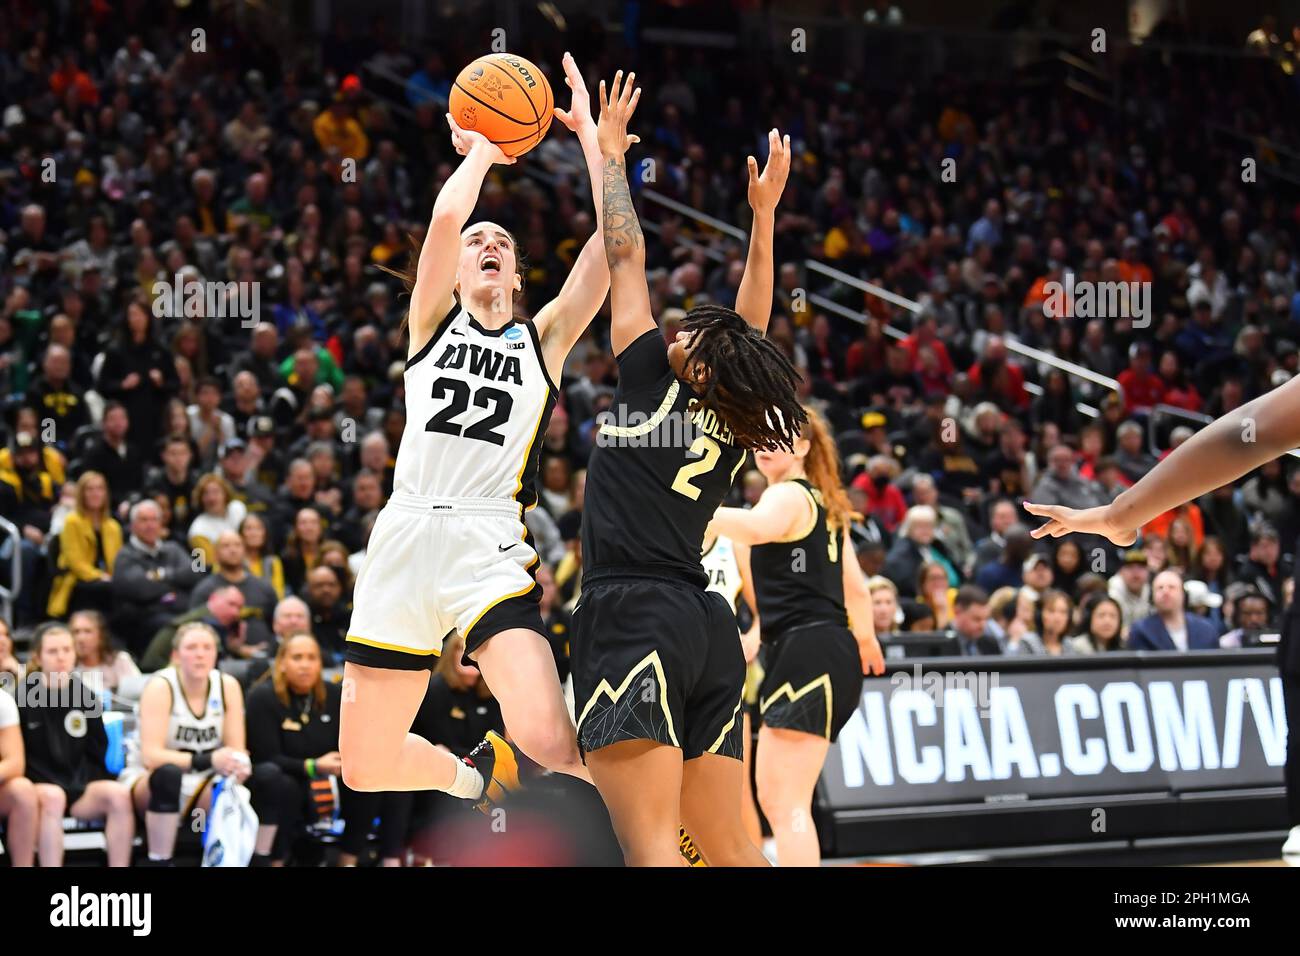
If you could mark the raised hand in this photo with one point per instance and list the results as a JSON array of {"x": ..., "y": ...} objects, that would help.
[
  {"x": 765, "y": 190},
  {"x": 465, "y": 141},
  {"x": 577, "y": 118},
  {"x": 616, "y": 109},
  {"x": 1063, "y": 521}
]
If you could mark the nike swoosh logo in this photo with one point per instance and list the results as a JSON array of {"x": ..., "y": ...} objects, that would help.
[
  {"x": 515, "y": 545},
  {"x": 455, "y": 332}
]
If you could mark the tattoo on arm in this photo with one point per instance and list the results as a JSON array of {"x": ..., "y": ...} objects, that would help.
[{"x": 622, "y": 229}]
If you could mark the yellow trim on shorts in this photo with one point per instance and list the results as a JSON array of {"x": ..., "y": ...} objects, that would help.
[
  {"x": 198, "y": 794},
  {"x": 731, "y": 723},
  {"x": 655, "y": 420},
  {"x": 614, "y": 694},
  {"x": 824, "y": 681},
  {"x": 391, "y": 647},
  {"x": 812, "y": 521},
  {"x": 505, "y": 597}
]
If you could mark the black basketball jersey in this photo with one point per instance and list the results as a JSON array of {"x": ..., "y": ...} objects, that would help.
[
  {"x": 660, "y": 469},
  {"x": 800, "y": 581}
]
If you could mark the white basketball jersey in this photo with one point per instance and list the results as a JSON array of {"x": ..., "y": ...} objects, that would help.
[
  {"x": 186, "y": 730},
  {"x": 477, "y": 404},
  {"x": 724, "y": 573}
]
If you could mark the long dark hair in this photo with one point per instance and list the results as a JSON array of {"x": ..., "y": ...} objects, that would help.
[
  {"x": 747, "y": 380},
  {"x": 1091, "y": 604}
]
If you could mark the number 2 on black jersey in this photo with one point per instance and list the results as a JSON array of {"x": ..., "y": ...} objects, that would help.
[
  {"x": 482, "y": 430},
  {"x": 708, "y": 451}
]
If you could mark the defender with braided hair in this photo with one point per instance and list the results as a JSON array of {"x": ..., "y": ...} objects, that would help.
[
  {"x": 810, "y": 591},
  {"x": 658, "y": 669}
]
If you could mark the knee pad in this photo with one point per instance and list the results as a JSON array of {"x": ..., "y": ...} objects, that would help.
[{"x": 165, "y": 789}]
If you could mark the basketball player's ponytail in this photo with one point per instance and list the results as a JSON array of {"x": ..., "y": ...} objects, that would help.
[
  {"x": 407, "y": 277},
  {"x": 822, "y": 466}
]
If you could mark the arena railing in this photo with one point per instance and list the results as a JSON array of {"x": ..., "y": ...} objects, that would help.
[
  {"x": 819, "y": 301},
  {"x": 8, "y": 594},
  {"x": 902, "y": 302},
  {"x": 1198, "y": 419}
]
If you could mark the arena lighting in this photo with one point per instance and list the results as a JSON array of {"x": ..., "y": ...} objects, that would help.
[{"x": 553, "y": 14}]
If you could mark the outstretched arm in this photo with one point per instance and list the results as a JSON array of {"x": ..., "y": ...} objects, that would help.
[
  {"x": 630, "y": 315},
  {"x": 561, "y": 322},
  {"x": 781, "y": 511},
  {"x": 1219, "y": 453},
  {"x": 754, "y": 298},
  {"x": 435, "y": 272}
]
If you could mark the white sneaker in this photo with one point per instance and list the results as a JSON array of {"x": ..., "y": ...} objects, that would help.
[{"x": 1292, "y": 844}]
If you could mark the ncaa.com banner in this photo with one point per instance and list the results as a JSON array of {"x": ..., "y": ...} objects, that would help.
[{"x": 935, "y": 737}]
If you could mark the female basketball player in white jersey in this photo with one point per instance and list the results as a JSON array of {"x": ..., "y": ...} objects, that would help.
[
  {"x": 1221, "y": 452},
  {"x": 805, "y": 576},
  {"x": 450, "y": 551},
  {"x": 726, "y": 562},
  {"x": 191, "y": 729}
]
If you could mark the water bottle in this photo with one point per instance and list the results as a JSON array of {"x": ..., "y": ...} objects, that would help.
[{"x": 115, "y": 755}]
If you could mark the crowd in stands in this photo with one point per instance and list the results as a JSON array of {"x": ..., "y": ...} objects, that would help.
[{"x": 216, "y": 472}]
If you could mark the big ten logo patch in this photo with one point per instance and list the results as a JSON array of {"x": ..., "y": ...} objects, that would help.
[{"x": 514, "y": 337}]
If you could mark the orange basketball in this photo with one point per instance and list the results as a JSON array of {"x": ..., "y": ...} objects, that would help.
[{"x": 505, "y": 98}]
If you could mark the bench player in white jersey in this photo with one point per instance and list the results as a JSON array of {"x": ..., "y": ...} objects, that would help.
[
  {"x": 450, "y": 552},
  {"x": 191, "y": 729},
  {"x": 726, "y": 562}
]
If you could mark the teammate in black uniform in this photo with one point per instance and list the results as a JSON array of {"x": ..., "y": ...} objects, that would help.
[
  {"x": 657, "y": 664},
  {"x": 805, "y": 573}
]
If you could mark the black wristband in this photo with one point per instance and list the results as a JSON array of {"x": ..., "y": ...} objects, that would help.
[{"x": 200, "y": 762}]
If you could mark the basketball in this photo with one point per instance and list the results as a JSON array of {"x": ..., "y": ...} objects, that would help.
[{"x": 506, "y": 98}]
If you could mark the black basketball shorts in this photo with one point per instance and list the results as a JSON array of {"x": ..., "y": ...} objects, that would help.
[
  {"x": 656, "y": 658},
  {"x": 812, "y": 680}
]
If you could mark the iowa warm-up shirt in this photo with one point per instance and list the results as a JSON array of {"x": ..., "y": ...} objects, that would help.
[{"x": 658, "y": 473}]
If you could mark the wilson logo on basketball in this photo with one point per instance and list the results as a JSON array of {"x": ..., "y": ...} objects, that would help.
[
  {"x": 521, "y": 69},
  {"x": 468, "y": 118}
]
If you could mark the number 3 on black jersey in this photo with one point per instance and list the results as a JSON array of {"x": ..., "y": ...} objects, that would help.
[
  {"x": 484, "y": 395},
  {"x": 708, "y": 452}
]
